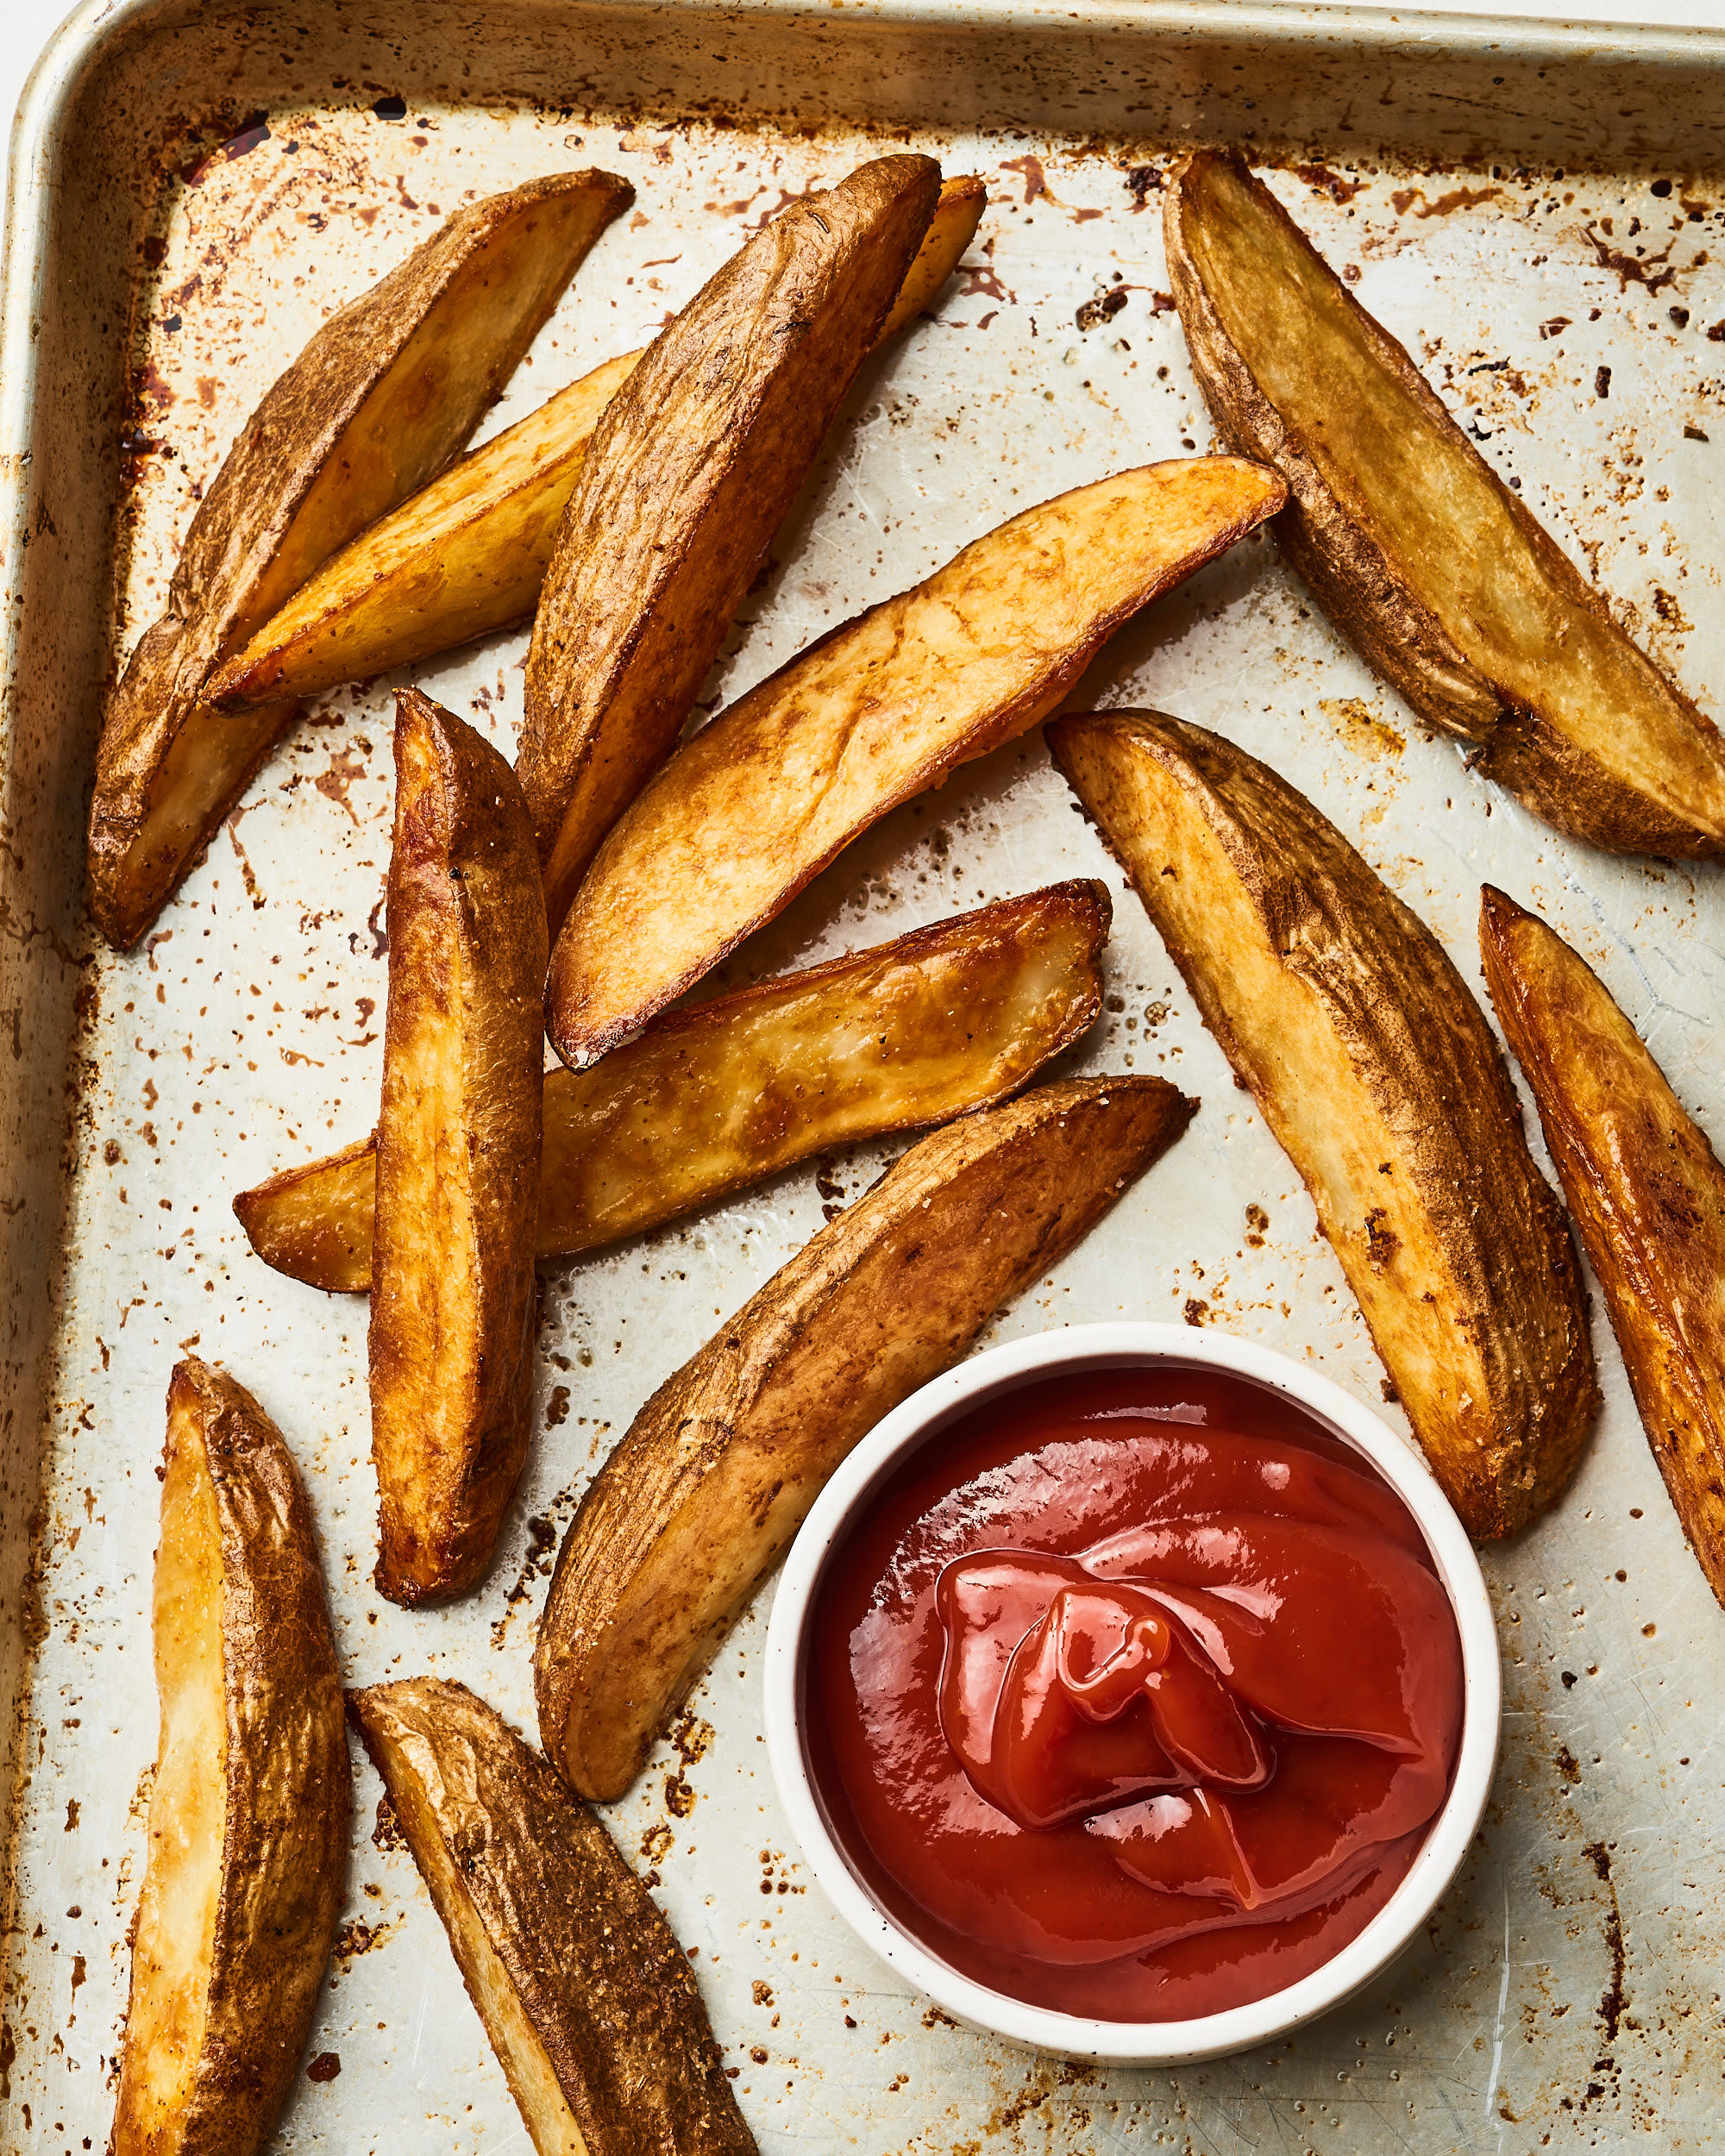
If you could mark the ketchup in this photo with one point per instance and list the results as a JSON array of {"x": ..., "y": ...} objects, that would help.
[{"x": 1134, "y": 1694}]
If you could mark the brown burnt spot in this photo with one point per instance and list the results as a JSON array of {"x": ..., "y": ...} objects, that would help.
[
  {"x": 71, "y": 1815},
  {"x": 1381, "y": 1241},
  {"x": 1555, "y": 327},
  {"x": 557, "y": 1406},
  {"x": 1386, "y": 1387},
  {"x": 345, "y": 766},
  {"x": 1455, "y": 198},
  {"x": 1103, "y": 308},
  {"x": 762, "y": 1993},
  {"x": 657, "y": 1843},
  {"x": 679, "y": 1797},
  {"x": 692, "y": 1737},
  {"x": 1328, "y": 183},
  {"x": 1142, "y": 182},
  {"x": 1654, "y": 271},
  {"x": 324, "y": 2067},
  {"x": 78, "y": 1971},
  {"x": 253, "y": 892},
  {"x": 1196, "y": 1311},
  {"x": 1257, "y": 1220},
  {"x": 355, "y": 1937},
  {"x": 9, "y": 2054},
  {"x": 536, "y": 1563},
  {"x": 1670, "y": 610},
  {"x": 1611, "y": 2001},
  {"x": 1035, "y": 179},
  {"x": 1366, "y": 734},
  {"x": 1568, "y": 1765},
  {"x": 387, "y": 1834},
  {"x": 981, "y": 281}
]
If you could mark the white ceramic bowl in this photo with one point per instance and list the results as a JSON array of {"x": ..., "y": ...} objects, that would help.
[{"x": 1102, "y": 1347}]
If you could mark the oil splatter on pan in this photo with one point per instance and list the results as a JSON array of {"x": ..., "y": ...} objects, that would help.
[{"x": 1542, "y": 220}]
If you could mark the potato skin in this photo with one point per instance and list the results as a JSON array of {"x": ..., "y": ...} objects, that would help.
[
  {"x": 458, "y": 1141},
  {"x": 1369, "y": 579},
  {"x": 381, "y": 399},
  {"x": 289, "y": 1800},
  {"x": 1377, "y": 1072},
  {"x": 689, "y": 473},
  {"x": 752, "y": 807},
  {"x": 949, "y": 1018},
  {"x": 716, "y": 1472},
  {"x": 1647, "y": 1194},
  {"x": 607, "y": 1990}
]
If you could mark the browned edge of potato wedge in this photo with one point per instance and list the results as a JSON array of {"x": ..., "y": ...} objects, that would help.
[
  {"x": 1418, "y": 553},
  {"x": 949, "y": 1018},
  {"x": 588, "y": 2000},
  {"x": 466, "y": 556},
  {"x": 689, "y": 473},
  {"x": 756, "y": 804},
  {"x": 381, "y": 397},
  {"x": 250, "y": 1813},
  {"x": 698, "y": 1502},
  {"x": 1377, "y": 1072},
  {"x": 458, "y": 1138},
  {"x": 1647, "y": 1194}
]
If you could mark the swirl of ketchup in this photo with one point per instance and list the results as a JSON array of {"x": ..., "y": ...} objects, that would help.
[{"x": 1135, "y": 1694}]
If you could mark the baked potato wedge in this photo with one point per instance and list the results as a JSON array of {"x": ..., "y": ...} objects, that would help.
[
  {"x": 588, "y": 2002},
  {"x": 457, "y": 1187},
  {"x": 690, "y": 471},
  {"x": 381, "y": 399},
  {"x": 939, "y": 1022},
  {"x": 698, "y": 1502},
  {"x": 1647, "y": 1192},
  {"x": 1415, "y": 548},
  {"x": 250, "y": 1813},
  {"x": 1377, "y": 1072},
  {"x": 756, "y": 804},
  {"x": 466, "y": 556}
]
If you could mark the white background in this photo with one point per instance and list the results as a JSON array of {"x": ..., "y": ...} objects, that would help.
[{"x": 26, "y": 25}]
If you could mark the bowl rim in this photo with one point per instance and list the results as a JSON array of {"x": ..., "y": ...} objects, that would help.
[{"x": 1114, "y": 1344}]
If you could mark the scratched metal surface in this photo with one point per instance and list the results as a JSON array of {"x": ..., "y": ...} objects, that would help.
[{"x": 1567, "y": 1994}]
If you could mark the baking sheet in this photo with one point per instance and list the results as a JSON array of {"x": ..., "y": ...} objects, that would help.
[{"x": 1567, "y": 1994}]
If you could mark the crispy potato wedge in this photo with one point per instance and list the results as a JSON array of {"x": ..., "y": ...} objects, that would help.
[
  {"x": 467, "y": 555},
  {"x": 461, "y": 559},
  {"x": 939, "y": 1022},
  {"x": 457, "y": 1188},
  {"x": 379, "y": 399},
  {"x": 716, "y": 1472},
  {"x": 1417, "y": 550},
  {"x": 1647, "y": 1193},
  {"x": 754, "y": 805},
  {"x": 587, "y": 1999},
  {"x": 957, "y": 213},
  {"x": 1375, "y": 1070},
  {"x": 695, "y": 463},
  {"x": 250, "y": 1813}
]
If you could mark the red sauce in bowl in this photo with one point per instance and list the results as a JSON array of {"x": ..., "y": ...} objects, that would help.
[{"x": 1133, "y": 1695}]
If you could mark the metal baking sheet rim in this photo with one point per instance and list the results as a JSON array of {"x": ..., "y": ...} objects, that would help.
[{"x": 1213, "y": 2108}]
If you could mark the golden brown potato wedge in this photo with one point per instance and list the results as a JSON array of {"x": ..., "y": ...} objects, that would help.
[
  {"x": 759, "y": 802},
  {"x": 457, "y": 1201},
  {"x": 1417, "y": 550},
  {"x": 956, "y": 215},
  {"x": 379, "y": 399},
  {"x": 1375, "y": 1070},
  {"x": 250, "y": 1812},
  {"x": 696, "y": 1505},
  {"x": 466, "y": 556},
  {"x": 587, "y": 1999},
  {"x": 1647, "y": 1193},
  {"x": 939, "y": 1022},
  {"x": 462, "y": 558},
  {"x": 695, "y": 463}
]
